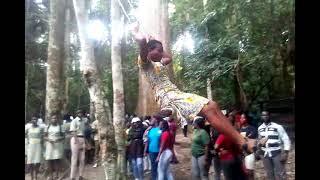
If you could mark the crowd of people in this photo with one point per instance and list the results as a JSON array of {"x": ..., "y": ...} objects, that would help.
[
  {"x": 75, "y": 139},
  {"x": 150, "y": 147},
  {"x": 150, "y": 142}
]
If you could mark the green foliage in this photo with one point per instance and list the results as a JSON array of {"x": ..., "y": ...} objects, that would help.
[{"x": 254, "y": 34}]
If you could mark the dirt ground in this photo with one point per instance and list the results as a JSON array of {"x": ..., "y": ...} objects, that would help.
[{"x": 182, "y": 170}]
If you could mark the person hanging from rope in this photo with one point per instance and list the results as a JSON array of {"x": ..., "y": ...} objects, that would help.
[{"x": 152, "y": 62}]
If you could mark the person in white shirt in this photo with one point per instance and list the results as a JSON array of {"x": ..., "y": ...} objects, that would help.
[
  {"x": 272, "y": 137},
  {"x": 54, "y": 136},
  {"x": 77, "y": 143},
  {"x": 34, "y": 136}
]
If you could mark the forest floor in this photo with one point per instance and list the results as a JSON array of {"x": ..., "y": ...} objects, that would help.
[{"x": 182, "y": 170}]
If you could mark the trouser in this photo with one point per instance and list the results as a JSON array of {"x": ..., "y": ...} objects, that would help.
[
  {"x": 77, "y": 153},
  {"x": 96, "y": 151},
  {"x": 137, "y": 166},
  {"x": 217, "y": 167},
  {"x": 185, "y": 130},
  {"x": 154, "y": 165},
  {"x": 146, "y": 163},
  {"x": 198, "y": 170},
  {"x": 232, "y": 169},
  {"x": 274, "y": 168},
  {"x": 164, "y": 171}
]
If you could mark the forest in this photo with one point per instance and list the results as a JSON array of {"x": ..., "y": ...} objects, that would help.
[{"x": 80, "y": 54}]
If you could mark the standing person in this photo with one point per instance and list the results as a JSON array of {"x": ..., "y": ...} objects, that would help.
[
  {"x": 184, "y": 126},
  {"x": 165, "y": 154},
  {"x": 146, "y": 158},
  {"x": 214, "y": 134},
  {"x": 54, "y": 136},
  {"x": 272, "y": 136},
  {"x": 230, "y": 156},
  {"x": 77, "y": 143},
  {"x": 136, "y": 147},
  {"x": 167, "y": 113},
  {"x": 153, "y": 144},
  {"x": 251, "y": 132},
  {"x": 152, "y": 62},
  {"x": 34, "y": 134},
  {"x": 66, "y": 125},
  {"x": 95, "y": 131},
  {"x": 200, "y": 161}
]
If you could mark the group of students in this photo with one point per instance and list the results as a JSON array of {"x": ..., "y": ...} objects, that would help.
[
  {"x": 68, "y": 139},
  {"x": 210, "y": 147},
  {"x": 150, "y": 145}
]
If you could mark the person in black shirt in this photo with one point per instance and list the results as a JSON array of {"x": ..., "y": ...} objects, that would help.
[
  {"x": 250, "y": 132},
  {"x": 136, "y": 147}
]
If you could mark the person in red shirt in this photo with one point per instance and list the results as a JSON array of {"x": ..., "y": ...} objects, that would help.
[
  {"x": 167, "y": 113},
  {"x": 230, "y": 159},
  {"x": 165, "y": 153}
]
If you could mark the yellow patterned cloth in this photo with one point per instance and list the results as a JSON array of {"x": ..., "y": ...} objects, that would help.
[{"x": 168, "y": 95}]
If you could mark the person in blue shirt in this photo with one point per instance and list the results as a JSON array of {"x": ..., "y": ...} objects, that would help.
[{"x": 153, "y": 144}]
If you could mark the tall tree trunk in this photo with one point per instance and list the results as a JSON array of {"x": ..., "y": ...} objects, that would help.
[
  {"x": 117, "y": 82},
  {"x": 242, "y": 95},
  {"x": 209, "y": 90},
  {"x": 26, "y": 92},
  {"x": 154, "y": 22},
  {"x": 95, "y": 86},
  {"x": 67, "y": 63},
  {"x": 165, "y": 34},
  {"x": 55, "y": 58}
]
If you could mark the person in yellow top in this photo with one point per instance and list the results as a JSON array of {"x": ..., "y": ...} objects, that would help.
[
  {"x": 152, "y": 64},
  {"x": 34, "y": 135}
]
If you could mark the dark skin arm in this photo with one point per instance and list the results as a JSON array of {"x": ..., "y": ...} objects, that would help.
[{"x": 161, "y": 149}]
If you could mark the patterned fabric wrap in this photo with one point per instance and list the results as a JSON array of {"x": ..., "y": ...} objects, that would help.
[{"x": 167, "y": 94}]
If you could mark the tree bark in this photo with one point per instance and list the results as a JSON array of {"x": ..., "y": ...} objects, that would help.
[
  {"x": 117, "y": 82},
  {"x": 209, "y": 90},
  {"x": 95, "y": 86},
  {"x": 156, "y": 23},
  {"x": 55, "y": 59},
  {"x": 67, "y": 63},
  {"x": 26, "y": 92}
]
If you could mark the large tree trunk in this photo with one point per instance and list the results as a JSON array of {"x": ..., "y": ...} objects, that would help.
[
  {"x": 67, "y": 63},
  {"x": 26, "y": 92},
  {"x": 117, "y": 82},
  {"x": 156, "y": 23},
  {"x": 55, "y": 58},
  {"x": 95, "y": 86}
]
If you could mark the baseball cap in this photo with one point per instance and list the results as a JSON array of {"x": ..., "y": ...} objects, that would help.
[{"x": 135, "y": 119}]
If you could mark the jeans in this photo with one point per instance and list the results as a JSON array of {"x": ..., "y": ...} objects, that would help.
[
  {"x": 274, "y": 168},
  {"x": 146, "y": 163},
  {"x": 198, "y": 169},
  {"x": 137, "y": 166},
  {"x": 154, "y": 165},
  {"x": 164, "y": 171},
  {"x": 217, "y": 167}
]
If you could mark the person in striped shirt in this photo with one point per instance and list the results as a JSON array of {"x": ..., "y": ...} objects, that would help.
[{"x": 272, "y": 137}]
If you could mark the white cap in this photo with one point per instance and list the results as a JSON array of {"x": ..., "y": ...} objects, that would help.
[
  {"x": 166, "y": 118},
  {"x": 168, "y": 108},
  {"x": 135, "y": 119}
]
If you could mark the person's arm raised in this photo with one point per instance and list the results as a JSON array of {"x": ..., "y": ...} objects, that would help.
[{"x": 142, "y": 42}]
